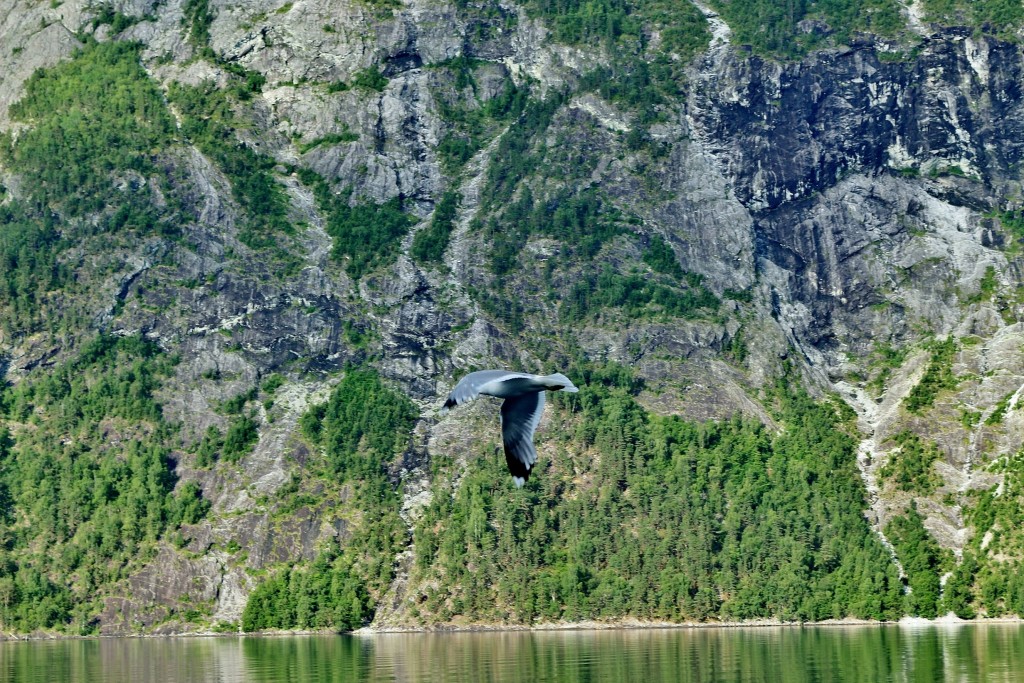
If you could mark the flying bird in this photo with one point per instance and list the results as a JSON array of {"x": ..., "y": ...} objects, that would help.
[{"x": 520, "y": 412}]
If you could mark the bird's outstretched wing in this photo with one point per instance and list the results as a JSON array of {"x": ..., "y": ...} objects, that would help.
[
  {"x": 468, "y": 387},
  {"x": 519, "y": 419}
]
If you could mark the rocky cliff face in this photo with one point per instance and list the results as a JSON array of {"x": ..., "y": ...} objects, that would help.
[{"x": 844, "y": 207}]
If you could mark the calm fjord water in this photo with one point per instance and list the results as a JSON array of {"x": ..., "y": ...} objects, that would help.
[{"x": 870, "y": 654}]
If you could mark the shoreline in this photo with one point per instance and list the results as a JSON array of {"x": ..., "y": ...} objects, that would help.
[
  {"x": 639, "y": 625},
  {"x": 547, "y": 627}
]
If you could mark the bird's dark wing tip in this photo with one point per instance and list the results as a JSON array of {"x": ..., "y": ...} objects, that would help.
[
  {"x": 450, "y": 403},
  {"x": 517, "y": 468}
]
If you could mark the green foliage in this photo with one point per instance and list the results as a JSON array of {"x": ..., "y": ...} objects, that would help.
[
  {"x": 235, "y": 405},
  {"x": 634, "y": 84},
  {"x": 29, "y": 268},
  {"x": 582, "y": 220},
  {"x": 211, "y": 123},
  {"x": 95, "y": 126},
  {"x": 741, "y": 295},
  {"x": 367, "y": 235},
  {"x": 658, "y": 518},
  {"x": 957, "y": 594},
  {"x": 635, "y": 76},
  {"x": 1013, "y": 223},
  {"x": 429, "y": 244},
  {"x": 362, "y": 426},
  {"x": 662, "y": 259},
  {"x": 272, "y": 383},
  {"x": 986, "y": 288},
  {"x": 87, "y": 484},
  {"x": 463, "y": 67},
  {"x": 240, "y": 438},
  {"x": 573, "y": 21},
  {"x": 117, "y": 21},
  {"x": 455, "y": 150},
  {"x": 370, "y": 79},
  {"x": 923, "y": 561},
  {"x": 98, "y": 114},
  {"x": 937, "y": 377},
  {"x": 331, "y": 139},
  {"x": 359, "y": 337},
  {"x": 884, "y": 359},
  {"x": 361, "y": 429},
  {"x": 325, "y": 595},
  {"x": 610, "y": 375},
  {"x": 999, "y": 410},
  {"x": 682, "y": 27},
  {"x": 772, "y": 28},
  {"x": 998, "y": 582},
  {"x": 471, "y": 126},
  {"x": 912, "y": 467},
  {"x": 197, "y": 18},
  {"x": 1001, "y": 17},
  {"x": 209, "y": 448},
  {"x": 637, "y": 295},
  {"x": 517, "y": 151}
]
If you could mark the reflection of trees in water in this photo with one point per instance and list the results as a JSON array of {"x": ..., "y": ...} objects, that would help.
[
  {"x": 853, "y": 654},
  {"x": 865, "y": 654},
  {"x": 307, "y": 658}
]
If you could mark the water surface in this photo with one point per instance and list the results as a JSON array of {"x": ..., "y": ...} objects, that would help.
[{"x": 870, "y": 654}]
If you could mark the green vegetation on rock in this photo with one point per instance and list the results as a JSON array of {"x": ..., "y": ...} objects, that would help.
[
  {"x": 326, "y": 594},
  {"x": 911, "y": 467},
  {"x": 794, "y": 28},
  {"x": 923, "y": 561},
  {"x": 331, "y": 139},
  {"x": 522, "y": 204},
  {"x": 472, "y": 123},
  {"x": 997, "y": 584},
  {"x": 660, "y": 257},
  {"x": 100, "y": 114},
  {"x": 937, "y": 377},
  {"x": 197, "y": 18},
  {"x": 370, "y": 79},
  {"x": 361, "y": 429},
  {"x": 1001, "y": 17},
  {"x": 430, "y": 243},
  {"x": 106, "y": 122},
  {"x": 664, "y": 519},
  {"x": 616, "y": 23},
  {"x": 212, "y": 123},
  {"x": 582, "y": 220},
  {"x": 87, "y": 487},
  {"x": 638, "y": 296},
  {"x": 365, "y": 235}
]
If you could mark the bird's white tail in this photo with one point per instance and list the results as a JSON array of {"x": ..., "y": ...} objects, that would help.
[{"x": 559, "y": 382}]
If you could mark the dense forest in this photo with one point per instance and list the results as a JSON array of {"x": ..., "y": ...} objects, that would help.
[
  {"x": 674, "y": 521},
  {"x": 667, "y": 520},
  {"x": 86, "y": 483}
]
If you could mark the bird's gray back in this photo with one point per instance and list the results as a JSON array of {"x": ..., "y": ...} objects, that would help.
[{"x": 469, "y": 386}]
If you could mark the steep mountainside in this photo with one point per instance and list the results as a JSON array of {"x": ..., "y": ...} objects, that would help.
[{"x": 247, "y": 247}]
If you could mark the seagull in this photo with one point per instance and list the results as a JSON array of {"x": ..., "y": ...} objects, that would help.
[{"x": 520, "y": 412}]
